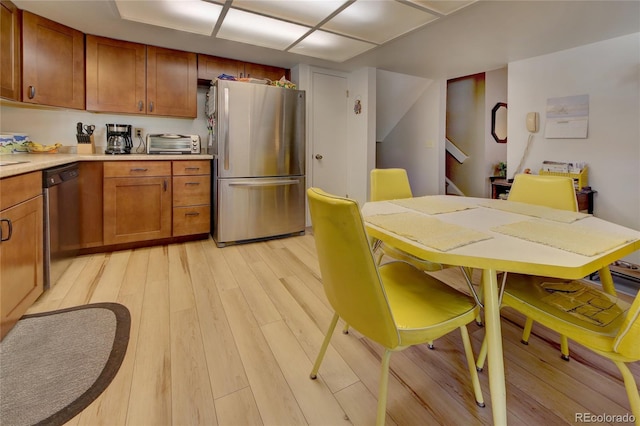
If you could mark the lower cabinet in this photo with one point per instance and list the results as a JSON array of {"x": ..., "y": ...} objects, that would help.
[
  {"x": 21, "y": 246},
  {"x": 137, "y": 201},
  {"x": 191, "y": 197}
]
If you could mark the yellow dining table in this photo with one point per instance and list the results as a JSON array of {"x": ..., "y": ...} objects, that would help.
[{"x": 495, "y": 236}]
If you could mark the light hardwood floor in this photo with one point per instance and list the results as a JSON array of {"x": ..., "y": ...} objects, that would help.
[{"x": 228, "y": 336}]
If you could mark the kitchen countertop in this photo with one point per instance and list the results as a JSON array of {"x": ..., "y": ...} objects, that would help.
[{"x": 33, "y": 162}]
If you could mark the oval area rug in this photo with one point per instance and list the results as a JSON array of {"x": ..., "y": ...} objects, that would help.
[{"x": 54, "y": 364}]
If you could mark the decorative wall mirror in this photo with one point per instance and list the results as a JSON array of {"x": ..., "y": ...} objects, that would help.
[{"x": 499, "y": 122}]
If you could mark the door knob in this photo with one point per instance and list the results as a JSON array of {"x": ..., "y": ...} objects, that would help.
[{"x": 318, "y": 157}]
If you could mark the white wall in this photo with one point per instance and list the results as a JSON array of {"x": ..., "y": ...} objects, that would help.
[
  {"x": 609, "y": 72},
  {"x": 48, "y": 125},
  {"x": 416, "y": 142}
]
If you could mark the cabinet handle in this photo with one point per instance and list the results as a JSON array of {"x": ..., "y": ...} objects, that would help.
[
  {"x": 32, "y": 92},
  {"x": 139, "y": 169},
  {"x": 10, "y": 226},
  {"x": 165, "y": 185},
  {"x": 192, "y": 168},
  {"x": 150, "y": 106},
  {"x": 192, "y": 183},
  {"x": 192, "y": 214},
  {"x": 140, "y": 105}
]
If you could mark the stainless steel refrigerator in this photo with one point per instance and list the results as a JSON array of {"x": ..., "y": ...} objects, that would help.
[{"x": 258, "y": 142}]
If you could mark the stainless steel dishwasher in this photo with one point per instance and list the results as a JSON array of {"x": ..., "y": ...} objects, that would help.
[{"x": 62, "y": 219}]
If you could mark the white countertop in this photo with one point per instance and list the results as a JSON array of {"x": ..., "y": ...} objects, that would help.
[{"x": 34, "y": 162}]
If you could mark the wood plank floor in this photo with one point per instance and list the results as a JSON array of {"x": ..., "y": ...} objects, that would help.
[{"x": 228, "y": 337}]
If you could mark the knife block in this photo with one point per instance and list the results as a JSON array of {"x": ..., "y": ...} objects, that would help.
[{"x": 86, "y": 147}]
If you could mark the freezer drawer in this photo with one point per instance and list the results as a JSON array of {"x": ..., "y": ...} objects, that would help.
[{"x": 253, "y": 208}]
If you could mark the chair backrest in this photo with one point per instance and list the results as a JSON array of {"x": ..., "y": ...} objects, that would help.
[
  {"x": 556, "y": 192},
  {"x": 349, "y": 273},
  {"x": 627, "y": 342},
  {"x": 389, "y": 184}
]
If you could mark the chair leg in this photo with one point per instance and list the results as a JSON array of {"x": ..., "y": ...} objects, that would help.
[
  {"x": 345, "y": 330},
  {"x": 526, "y": 333},
  {"x": 382, "y": 392},
  {"x": 632, "y": 390},
  {"x": 482, "y": 355},
  {"x": 564, "y": 347},
  {"x": 323, "y": 348},
  {"x": 472, "y": 368}
]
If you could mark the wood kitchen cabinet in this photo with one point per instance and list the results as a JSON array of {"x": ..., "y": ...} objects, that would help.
[
  {"x": 21, "y": 246},
  {"x": 172, "y": 82},
  {"x": 127, "y": 77},
  {"x": 137, "y": 201},
  {"x": 52, "y": 63},
  {"x": 191, "y": 197},
  {"x": 116, "y": 75},
  {"x": 10, "y": 75},
  {"x": 210, "y": 67},
  {"x": 90, "y": 183}
]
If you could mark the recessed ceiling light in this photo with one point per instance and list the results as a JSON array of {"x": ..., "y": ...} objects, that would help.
[
  {"x": 259, "y": 30},
  {"x": 307, "y": 12},
  {"x": 194, "y": 16}
]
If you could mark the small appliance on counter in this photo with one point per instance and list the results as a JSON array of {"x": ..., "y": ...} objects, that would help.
[
  {"x": 169, "y": 143},
  {"x": 118, "y": 139}
]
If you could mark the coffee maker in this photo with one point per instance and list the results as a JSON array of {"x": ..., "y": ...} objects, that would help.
[{"x": 118, "y": 139}]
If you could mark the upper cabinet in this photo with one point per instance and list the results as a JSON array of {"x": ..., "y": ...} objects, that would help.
[
  {"x": 172, "y": 82},
  {"x": 116, "y": 75},
  {"x": 210, "y": 67},
  {"x": 125, "y": 77},
  {"x": 10, "y": 48},
  {"x": 52, "y": 63}
]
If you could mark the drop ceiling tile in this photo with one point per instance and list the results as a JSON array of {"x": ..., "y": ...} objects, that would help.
[
  {"x": 378, "y": 21},
  {"x": 192, "y": 16},
  {"x": 308, "y": 12},
  {"x": 444, "y": 7},
  {"x": 259, "y": 30},
  {"x": 333, "y": 47}
]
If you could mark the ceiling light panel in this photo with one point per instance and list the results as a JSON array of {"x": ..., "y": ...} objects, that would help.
[
  {"x": 378, "y": 21},
  {"x": 192, "y": 16},
  {"x": 333, "y": 47},
  {"x": 307, "y": 12},
  {"x": 444, "y": 7},
  {"x": 259, "y": 30}
]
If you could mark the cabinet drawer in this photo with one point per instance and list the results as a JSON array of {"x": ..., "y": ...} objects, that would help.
[
  {"x": 191, "y": 167},
  {"x": 191, "y": 190},
  {"x": 136, "y": 168},
  {"x": 16, "y": 189},
  {"x": 191, "y": 220}
]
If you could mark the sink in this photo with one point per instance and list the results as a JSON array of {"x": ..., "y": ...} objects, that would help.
[{"x": 11, "y": 163}]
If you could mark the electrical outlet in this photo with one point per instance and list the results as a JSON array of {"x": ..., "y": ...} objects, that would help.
[{"x": 138, "y": 132}]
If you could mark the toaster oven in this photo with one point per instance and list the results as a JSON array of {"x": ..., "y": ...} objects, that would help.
[{"x": 169, "y": 143}]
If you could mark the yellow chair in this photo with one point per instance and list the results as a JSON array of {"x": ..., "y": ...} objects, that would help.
[
  {"x": 605, "y": 325},
  {"x": 393, "y": 184},
  {"x": 551, "y": 191},
  {"x": 395, "y": 305}
]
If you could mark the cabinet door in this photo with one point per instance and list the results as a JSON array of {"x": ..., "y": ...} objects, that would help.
[
  {"x": 264, "y": 71},
  {"x": 52, "y": 63},
  {"x": 172, "y": 82},
  {"x": 91, "y": 205},
  {"x": 136, "y": 209},
  {"x": 21, "y": 257},
  {"x": 10, "y": 48},
  {"x": 210, "y": 67},
  {"x": 115, "y": 75}
]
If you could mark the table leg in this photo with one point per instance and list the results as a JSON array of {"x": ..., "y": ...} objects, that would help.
[{"x": 494, "y": 340}]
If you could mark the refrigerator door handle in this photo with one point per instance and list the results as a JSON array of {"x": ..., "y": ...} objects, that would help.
[
  {"x": 226, "y": 128},
  {"x": 266, "y": 183}
]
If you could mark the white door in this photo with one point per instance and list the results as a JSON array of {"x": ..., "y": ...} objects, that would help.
[{"x": 329, "y": 133}]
